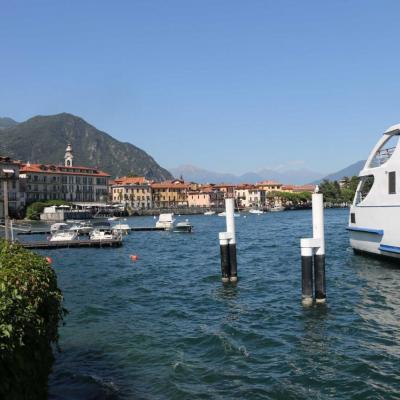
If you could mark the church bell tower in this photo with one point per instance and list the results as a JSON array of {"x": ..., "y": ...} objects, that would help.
[{"x": 68, "y": 156}]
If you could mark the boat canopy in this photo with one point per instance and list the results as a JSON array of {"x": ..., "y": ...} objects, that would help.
[{"x": 393, "y": 130}]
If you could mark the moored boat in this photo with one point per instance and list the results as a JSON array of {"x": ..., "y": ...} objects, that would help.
[
  {"x": 59, "y": 226},
  {"x": 123, "y": 228},
  {"x": 183, "y": 227},
  {"x": 104, "y": 233},
  {"x": 165, "y": 221},
  {"x": 82, "y": 228},
  {"x": 256, "y": 211},
  {"x": 375, "y": 212},
  {"x": 209, "y": 212},
  {"x": 223, "y": 214},
  {"x": 277, "y": 208},
  {"x": 63, "y": 236}
]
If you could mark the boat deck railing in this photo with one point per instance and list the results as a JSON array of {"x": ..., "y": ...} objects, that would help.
[{"x": 382, "y": 156}]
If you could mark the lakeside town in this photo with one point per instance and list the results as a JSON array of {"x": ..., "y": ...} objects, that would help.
[{"x": 91, "y": 188}]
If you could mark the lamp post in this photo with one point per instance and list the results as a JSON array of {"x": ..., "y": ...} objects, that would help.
[{"x": 6, "y": 175}]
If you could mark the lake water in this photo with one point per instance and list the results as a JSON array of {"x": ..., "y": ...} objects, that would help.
[{"x": 166, "y": 328}]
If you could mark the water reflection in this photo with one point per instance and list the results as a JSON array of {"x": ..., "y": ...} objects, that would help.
[{"x": 379, "y": 304}]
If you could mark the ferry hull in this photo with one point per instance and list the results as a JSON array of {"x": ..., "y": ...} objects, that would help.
[{"x": 370, "y": 243}]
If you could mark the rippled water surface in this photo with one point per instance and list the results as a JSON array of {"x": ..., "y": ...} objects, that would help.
[{"x": 166, "y": 328}]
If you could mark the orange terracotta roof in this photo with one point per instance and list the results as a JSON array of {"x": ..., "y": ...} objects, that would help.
[
  {"x": 244, "y": 186},
  {"x": 225, "y": 185},
  {"x": 304, "y": 188},
  {"x": 269, "y": 183},
  {"x": 61, "y": 170},
  {"x": 134, "y": 180},
  {"x": 170, "y": 185}
]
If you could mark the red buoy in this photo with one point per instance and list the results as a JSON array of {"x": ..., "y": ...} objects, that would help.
[
  {"x": 49, "y": 260},
  {"x": 134, "y": 257}
]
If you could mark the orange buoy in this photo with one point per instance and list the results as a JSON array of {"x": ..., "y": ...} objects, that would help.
[
  {"x": 49, "y": 260},
  {"x": 134, "y": 257}
]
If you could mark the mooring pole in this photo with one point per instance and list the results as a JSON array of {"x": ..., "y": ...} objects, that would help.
[
  {"x": 306, "y": 275},
  {"x": 319, "y": 254},
  {"x": 6, "y": 217},
  {"x": 313, "y": 256},
  {"x": 224, "y": 251},
  {"x": 230, "y": 229}
]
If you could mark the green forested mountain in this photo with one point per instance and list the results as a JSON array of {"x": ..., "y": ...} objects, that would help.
[{"x": 43, "y": 139}]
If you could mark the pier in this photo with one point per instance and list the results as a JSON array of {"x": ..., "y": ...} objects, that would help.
[
  {"x": 134, "y": 229},
  {"x": 72, "y": 243}
]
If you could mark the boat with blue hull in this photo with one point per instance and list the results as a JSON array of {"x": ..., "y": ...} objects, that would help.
[{"x": 375, "y": 213}]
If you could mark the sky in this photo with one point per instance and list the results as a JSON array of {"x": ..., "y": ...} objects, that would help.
[{"x": 226, "y": 85}]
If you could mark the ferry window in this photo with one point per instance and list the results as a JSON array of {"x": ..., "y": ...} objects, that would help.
[
  {"x": 392, "y": 182},
  {"x": 363, "y": 189},
  {"x": 353, "y": 218}
]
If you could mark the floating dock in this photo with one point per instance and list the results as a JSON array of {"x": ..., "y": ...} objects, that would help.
[
  {"x": 143, "y": 228},
  {"x": 135, "y": 229},
  {"x": 72, "y": 243}
]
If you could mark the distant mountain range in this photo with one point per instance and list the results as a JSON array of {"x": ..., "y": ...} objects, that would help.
[
  {"x": 43, "y": 139},
  {"x": 293, "y": 176},
  {"x": 7, "y": 122},
  {"x": 351, "y": 170}
]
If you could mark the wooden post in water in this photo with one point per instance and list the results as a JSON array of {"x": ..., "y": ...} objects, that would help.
[{"x": 313, "y": 252}]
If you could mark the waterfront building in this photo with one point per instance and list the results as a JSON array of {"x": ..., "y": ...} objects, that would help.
[
  {"x": 225, "y": 187},
  {"x": 269, "y": 186},
  {"x": 171, "y": 193},
  {"x": 257, "y": 198},
  {"x": 242, "y": 195},
  {"x": 64, "y": 182},
  {"x": 16, "y": 188},
  {"x": 199, "y": 198},
  {"x": 135, "y": 192}
]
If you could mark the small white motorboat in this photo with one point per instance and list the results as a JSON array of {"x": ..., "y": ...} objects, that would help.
[
  {"x": 223, "y": 214},
  {"x": 59, "y": 226},
  {"x": 277, "y": 208},
  {"x": 112, "y": 219},
  {"x": 183, "y": 227},
  {"x": 256, "y": 211},
  {"x": 63, "y": 236},
  {"x": 123, "y": 228},
  {"x": 166, "y": 221},
  {"x": 104, "y": 233},
  {"x": 209, "y": 213},
  {"x": 82, "y": 228}
]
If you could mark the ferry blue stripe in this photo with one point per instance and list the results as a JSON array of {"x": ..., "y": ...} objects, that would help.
[
  {"x": 391, "y": 249},
  {"x": 366, "y": 230}
]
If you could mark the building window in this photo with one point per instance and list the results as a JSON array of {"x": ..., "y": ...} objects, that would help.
[{"x": 392, "y": 182}]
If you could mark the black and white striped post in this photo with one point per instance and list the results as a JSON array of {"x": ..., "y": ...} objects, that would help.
[
  {"x": 313, "y": 256},
  {"x": 227, "y": 242}
]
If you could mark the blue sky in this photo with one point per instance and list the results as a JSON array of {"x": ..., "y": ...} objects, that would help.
[{"x": 231, "y": 85}]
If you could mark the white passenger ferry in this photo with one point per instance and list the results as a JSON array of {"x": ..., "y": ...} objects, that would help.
[{"x": 374, "y": 221}]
